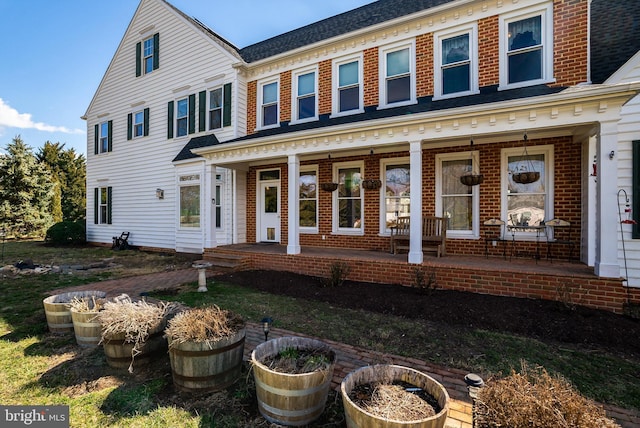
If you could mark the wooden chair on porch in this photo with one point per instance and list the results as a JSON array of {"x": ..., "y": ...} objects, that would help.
[{"x": 434, "y": 235}]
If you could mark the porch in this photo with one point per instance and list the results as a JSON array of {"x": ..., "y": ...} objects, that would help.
[{"x": 570, "y": 282}]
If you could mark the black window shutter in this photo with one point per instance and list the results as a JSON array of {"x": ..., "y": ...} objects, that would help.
[
  {"x": 110, "y": 136},
  {"x": 109, "y": 192},
  {"x": 635, "y": 190},
  {"x": 192, "y": 113},
  {"x": 202, "y": 110},
  {"x": 156, "y": 51},
  {"x": 95, "y": 139},
  {"x": 226, "y": 105},
  {"x": 129, "y": 126},
  {"x": 96, "y": 205},
  {"x": 138, "y": 59},
  {"x": 146, "y": 122},
  {"x": 170, "y": 120}
]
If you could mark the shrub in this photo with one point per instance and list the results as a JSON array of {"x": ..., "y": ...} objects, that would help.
[
  {"x": 337, "y": 275},
  {"x": 535, "y": 399},
  {"x": 66, "y": 233}
]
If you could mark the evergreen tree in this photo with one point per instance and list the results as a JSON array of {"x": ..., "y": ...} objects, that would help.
[
  {"x": 68, "y": 169},
  {"x": 26, "y": 191}
]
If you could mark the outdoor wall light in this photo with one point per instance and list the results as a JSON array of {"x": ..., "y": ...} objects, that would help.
[
  {"x": 266, "y": 326},
  {"x": 611, "y": 154},
  {"x": 159, "y": 193}
]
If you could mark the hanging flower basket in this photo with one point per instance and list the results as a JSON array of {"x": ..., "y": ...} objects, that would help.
[
  {"x": 471, "y": 179},
  {"x": 328, "y": 187},
  {"x": 526, "y": 177},
  {"x": 371, "y": 184}
]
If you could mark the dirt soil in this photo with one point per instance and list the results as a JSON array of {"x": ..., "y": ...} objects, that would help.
[{"x": 541, "y": 319}]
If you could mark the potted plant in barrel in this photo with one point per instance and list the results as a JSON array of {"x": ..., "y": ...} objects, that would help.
[
  {"x": 393, "y": 396},
  {"x": 293, "y": 377},
  {"x": 206, "y": 346}
]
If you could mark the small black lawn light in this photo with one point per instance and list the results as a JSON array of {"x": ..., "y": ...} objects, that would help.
[
  {"x": 474, "y": 383},
  {"x": 266, "y": 326}
]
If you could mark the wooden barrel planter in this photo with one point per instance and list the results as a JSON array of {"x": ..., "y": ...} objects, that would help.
[
  {"x": 86, "y": 328},
  {"x": 291, "y": 399},
  {"x": 207, "y": 366},
  {"x": 56, "y": 309},
  {"x": 119, "y": 351},
  {"x": 356, "y": 417}
]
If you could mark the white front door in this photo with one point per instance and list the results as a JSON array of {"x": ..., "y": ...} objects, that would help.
[{"x": 269, "y": 211}]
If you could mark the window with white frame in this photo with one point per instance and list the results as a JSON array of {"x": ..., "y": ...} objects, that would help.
[
  {"x": 268, "y": 104},
  {"x": 527, "y": 204},
  {"x": 215, "y": 108},
  {"x": 455, "y": 201},
  {"x": 104, "y": 137},
  {"x": 102, "y": 205},
  {"x": 305, "y": 102},
  {"x": 397, "y": 75},
  {"x": 348, "y": 208},
  {"x": 148, "y": 55},
  {"x": 182, "y": 117},
  {"x": 189, "y": 186},
  {"x": 348, "y": 92},
  {"x": 138, "y": 124},
  {"x": 456, "y": 56},
  {"x": 308, "y": 199},
  {"x": 397, "y": 185},
  {"x": 217, "y": 203},
  {"x": 526, "y": 47}
]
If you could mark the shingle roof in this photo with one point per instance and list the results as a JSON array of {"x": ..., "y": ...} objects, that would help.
[
  {"x": 426, "y": 104},
  {"x": 362, "y": 17},
  {"x": 615, "y": 36}
]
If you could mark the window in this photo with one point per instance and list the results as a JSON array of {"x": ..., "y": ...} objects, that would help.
[
  {"x": 103, "y": 137},
  {"x": 455, "y": 201},
  {"x": 268, "y": 101},
  {"x": 397, "y": 185},
  {"x": 526, "y": 46},
  {"x": 348, "y": 95},
  {"x": 456, "y": 63},
  {"x": 218, "y": 205},
  {"x": 190, "y": 205},
  {"x": 398, "y": 77},
  {"x": 182, "y": 117},
  {"x": 138, "y": 124},
  {"x": 147, "y": 55},
  {"x": 309, "y": 199},
  {"x": 215, "y": 108},
  {"x": 305, "y": 102},
  {"x": 635, "y": 189},
  {"x": 528, "y": 204},
  {"x": 348, "y": 217},
  {"x": 102, "y": 205}
]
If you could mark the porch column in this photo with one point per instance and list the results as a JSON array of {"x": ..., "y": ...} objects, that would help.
[
  {"x": 607, "y": 223},
  {"x": 209, "y": 213},
  {"x": 293, "y": 204},
  {"x": 415, "y": 201}
]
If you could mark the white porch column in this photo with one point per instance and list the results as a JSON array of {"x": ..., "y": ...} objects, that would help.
[
  {"x": 607, "y": 223},
  {"x": 415, "y": 201},
  {"x": 210, "y": 207},
  {"x": 293, "y": 204}
]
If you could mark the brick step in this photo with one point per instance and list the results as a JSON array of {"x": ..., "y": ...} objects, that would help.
[{"x": 226, "y": 261}]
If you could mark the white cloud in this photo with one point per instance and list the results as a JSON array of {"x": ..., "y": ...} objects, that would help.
[{"x": 11, "y": 118}]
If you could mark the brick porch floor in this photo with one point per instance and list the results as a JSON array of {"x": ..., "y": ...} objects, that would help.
[{"x": 348, "y": 357}]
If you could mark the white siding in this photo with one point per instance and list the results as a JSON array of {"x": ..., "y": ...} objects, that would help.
[
  {"x": 135, "y": 168},
  {"x": 629, "y": 131}
]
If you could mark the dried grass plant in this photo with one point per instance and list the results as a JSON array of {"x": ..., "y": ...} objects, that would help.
[
  {"x": 136, "y": 320},
  {"x": 208, "y": 324},
  {"x": 535, "y": 399},
  {"x": 87, "y": 304},
  {"x": 396, "y": 403}
]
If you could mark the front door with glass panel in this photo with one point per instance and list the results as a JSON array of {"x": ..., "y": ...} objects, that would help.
[{"x": 269, "y": 212}]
